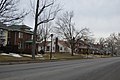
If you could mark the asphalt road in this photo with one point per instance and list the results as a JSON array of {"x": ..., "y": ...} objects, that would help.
[{"x": 90, "y": 69}]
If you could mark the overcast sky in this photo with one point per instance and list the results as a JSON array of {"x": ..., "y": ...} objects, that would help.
[{"x": 102, "y": 17}]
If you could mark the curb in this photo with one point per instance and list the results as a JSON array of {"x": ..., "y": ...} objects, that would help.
[
  {"x": 26, "y": 62},
  {"x": 11, "y": 63}
]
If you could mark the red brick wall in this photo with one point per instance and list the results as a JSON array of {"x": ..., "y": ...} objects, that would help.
[{"x": 14, "y": 39}]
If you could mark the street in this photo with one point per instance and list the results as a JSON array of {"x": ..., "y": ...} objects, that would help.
[{"x": 86, "y": 69}]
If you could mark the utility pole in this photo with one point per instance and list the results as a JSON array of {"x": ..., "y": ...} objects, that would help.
[{"x": 51, "y": 47}]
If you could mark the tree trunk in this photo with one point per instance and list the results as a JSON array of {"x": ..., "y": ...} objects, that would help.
[
  {"x": 34, "y": 45},
  {"x": 72, "y": 46},
  {"x": 35, "y": 31},
  {"x": 72, "y": 51}
]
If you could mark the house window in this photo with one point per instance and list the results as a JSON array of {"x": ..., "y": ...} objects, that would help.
[
  {"x": 65, "y": 49},
  {"x": 60, "y": 48},
  {"x": 53, "y": 48},
  {"x": 32, "y": 37},
  {"x": 20, "y": 35},
  {"x": 48, "y": 48},
  {"x": 19, "y": 45}
]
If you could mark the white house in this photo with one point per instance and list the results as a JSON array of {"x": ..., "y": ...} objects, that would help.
[
  {"x": 62, "y": 46},
  {"x": 3, "y": 35}
]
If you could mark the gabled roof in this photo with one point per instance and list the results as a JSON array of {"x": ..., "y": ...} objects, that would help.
[
  {"x": 64, "y": 43},
  {"x": 42, "y": 43}
]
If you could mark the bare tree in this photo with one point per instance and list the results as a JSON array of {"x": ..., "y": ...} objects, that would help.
[
  {"x": 44, "y": 33},
  {"x": 114, "y": 42},
  {"x": 66, "y": 28},
  {"x": 102, "y": 43},
  {"x": 9, "y": 12},
  {"x": 43, "y": 6}
]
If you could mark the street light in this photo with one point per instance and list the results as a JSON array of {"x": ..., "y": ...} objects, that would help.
[{"x": 51, "y": 47}]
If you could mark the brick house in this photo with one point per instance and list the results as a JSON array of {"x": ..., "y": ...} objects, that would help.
[{"x": 20, "y": 37}]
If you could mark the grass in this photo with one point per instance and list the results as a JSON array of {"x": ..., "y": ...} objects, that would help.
[
  {"x": 46, "y": 57},
  {"x": 62, "y": 56},
  {"x": 14, "y": 59}
]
